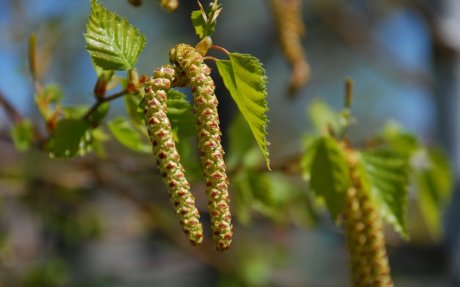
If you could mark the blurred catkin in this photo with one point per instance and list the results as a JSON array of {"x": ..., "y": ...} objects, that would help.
[
  {"x": 290, "y": 27},
  {"x": 364, "y": 232}
]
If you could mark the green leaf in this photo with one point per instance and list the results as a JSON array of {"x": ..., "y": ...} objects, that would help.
[
  {"x": 324, "y": 118},
  {"x": 125, "y": 133},
  {"x": 50, "y": 95},
  {"x": 386, "y": 174},
  {"x": 398, "y": 140},
  {"x": 180, "y": 114},
  {"x": 23, "y": 135},
  {"x": 310, "y": 143},
  {"x": 134, "y": 110},
  {"x": 112, "y": 42},
  {"x": 199, "y": 24},
  {"x": 244, "y": 77},
  {"x": 99, "y": 114},
  {"x": 434, "y": 181},
  {"x": 243, "y": 150},
  {"x": 99, "y": 136},
  {"x": 329, "y": 174},
  {"x": 70, "y": 138},
  {"x": 205, "y": 22}
]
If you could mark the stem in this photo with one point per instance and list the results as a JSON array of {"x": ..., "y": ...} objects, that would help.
[
  {"x": 222, "y": 49},
  {"x": 210, "y": 58},
  {"x": 103, "y": 100}
]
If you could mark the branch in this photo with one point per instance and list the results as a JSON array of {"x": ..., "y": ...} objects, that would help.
[
  {"x": 104, "y": 100},
  {"x": 11, "y": 111}
]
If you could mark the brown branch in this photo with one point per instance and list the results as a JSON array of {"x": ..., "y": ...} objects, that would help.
[
  {"x": 96, "y": 105},
  {"x": 10, "y": 110}
]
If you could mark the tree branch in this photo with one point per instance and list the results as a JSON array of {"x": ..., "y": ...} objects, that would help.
[
  {"x": 104, "y": 100},
  {"x": 10, "y": 110}
]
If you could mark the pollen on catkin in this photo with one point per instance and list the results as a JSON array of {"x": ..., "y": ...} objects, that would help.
[
  {"x": 212, "y": 153},
  {"x": 364, "y": 233},
  {"x": 290, "y": 27},
  {"x": 168, "y": 159}
]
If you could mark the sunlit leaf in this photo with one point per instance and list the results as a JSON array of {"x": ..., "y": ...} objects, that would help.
[
  {"x": 387, "y": 176},
  {"x": 244, "y": 77},
  {"x": 23, "y": 135},
  {"x": 112, "y": 42}
]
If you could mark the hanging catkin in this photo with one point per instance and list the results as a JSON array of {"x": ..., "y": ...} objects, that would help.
[
  {"x": 364, "y": 232},
  {"x": 168, "y": 159},
  {"x": 205, "y": 105},
  {"x": 290, "y": 27}
]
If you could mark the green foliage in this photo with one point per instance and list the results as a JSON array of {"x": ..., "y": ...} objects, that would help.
[
  {"x": 386, "y": 174},
  {"x": 126, "y": 134},
  {"x": 112, "y": 42},
  {"x": 49, "y": 95},
  {"x": 54, "y": 273},
  {"x": 180, "y": 114},
  {"x": 243, "y": 149},
  {"x": 23, "y": 135},
  {"x": 329, "y": 173},
  {"x": 205, "y": 22},
  {"x": 429, "y": 171},
  {"x": 323, "y": 118},
  {"x": 244, "y": 77},
  {"x": 100, "y": 113},
  {"x": 434, "y": 182},
  {"x": 70, "y": 138}
]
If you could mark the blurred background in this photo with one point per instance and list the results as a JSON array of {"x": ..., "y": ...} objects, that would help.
[{"x": 108, "y": 222}]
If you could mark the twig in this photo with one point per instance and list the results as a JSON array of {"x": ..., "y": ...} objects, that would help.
[
  {"x": 11, "y": 111},
  {"x": 222, "y": 49},
  {"x": 104, "y": 100}
]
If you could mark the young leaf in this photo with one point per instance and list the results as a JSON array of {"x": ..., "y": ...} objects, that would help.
[
  {"x": 69, "y": 139},
  {"x": 387, "y": 176},
  {"x": 125, "y": 133},
  {"x": 50, "y": 94},
  {"x": 329, "y": 174},
  {"x": 244, "y": 77},
  {"x": 22, "y": 134},
  {"x": 434, "y": 183},
  {"x": 205, "y": 22},
  {"x": 112, "y": 42},
  {"x": 199, "y": 23},
  {"x": 323, "y": 118}
]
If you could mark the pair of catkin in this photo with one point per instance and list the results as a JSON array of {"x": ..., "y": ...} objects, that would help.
[
  {"x": 364, "y": 233},
  {"x": 189, "y": 69}
]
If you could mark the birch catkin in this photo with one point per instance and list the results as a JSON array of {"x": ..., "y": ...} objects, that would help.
[
  {"x": 288, "y": 18},
  {"x": 205, "y": 105},
  {"x": 364, "y": 232},
  {"x": 168, "y": 159}
]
